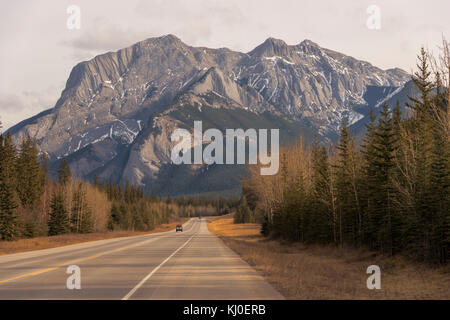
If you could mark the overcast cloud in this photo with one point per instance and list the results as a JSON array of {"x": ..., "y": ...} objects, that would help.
[{"x": 38, "y": 51}]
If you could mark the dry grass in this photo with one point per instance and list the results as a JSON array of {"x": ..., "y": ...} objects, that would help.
[
  {"x": 23, "y": 245},
  {"x": 326, "y": 272}
]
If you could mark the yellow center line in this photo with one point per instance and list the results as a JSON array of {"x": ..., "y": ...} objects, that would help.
[{"x": 34, "y": 273}]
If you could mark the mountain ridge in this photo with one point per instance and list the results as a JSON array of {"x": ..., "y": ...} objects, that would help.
[{"x": 120, "y": 105}]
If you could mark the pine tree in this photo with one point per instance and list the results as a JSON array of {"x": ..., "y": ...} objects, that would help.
[
  {"x": 440, "y": 177},
  {"x": 368, "y": 152},
  {"x": 349, "y": 214},
  {"x": 8, "y": 220},
  {"x": 397, "y": 121},
  {"x": 64, "y": 174},
  {"x": 29, "y": 178},
  {"x": 58, "y": 222},
  {"x": 9, "y": 156},
  {"x": 421, "y": 130},
  {"x": 385, "y": 148},
  {"x": 323, "y": 197},
  {"x": 421, "y": 79},
  {"x": 45, "y": 169},
  {"x": 114, "y": 218}
]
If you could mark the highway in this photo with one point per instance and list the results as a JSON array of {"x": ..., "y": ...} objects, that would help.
[{"x": 193, "y": 264}]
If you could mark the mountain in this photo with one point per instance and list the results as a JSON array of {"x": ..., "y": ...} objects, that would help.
[
  {"x": 391, "y": 96},
  {"x": 116, "y": 114}
]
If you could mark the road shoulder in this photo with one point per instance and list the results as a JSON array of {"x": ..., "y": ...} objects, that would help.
[{"x": 327, "y": 272}]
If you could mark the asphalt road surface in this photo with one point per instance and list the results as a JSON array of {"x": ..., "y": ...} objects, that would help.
[{"x": 193, "y": 264}]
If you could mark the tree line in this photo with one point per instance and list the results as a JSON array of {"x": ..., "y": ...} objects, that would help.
[
  {"x": 34, "y": 204},
  {"x": 390, "y": 192}
]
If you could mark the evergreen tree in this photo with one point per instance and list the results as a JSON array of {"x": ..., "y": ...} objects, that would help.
[
  {"x": 114, "y": 218},
  {"x": 393, "y": 195},
  {"x": 29, "y": 179},
  {"x": 9, "y": 156},
  {"x": 386, "y": 219},
  {"x": 58, "y": 222},
  {"x": 323, "y": 206},
  {"x": 421, "y": 128},
  {"x": 349, "y": 215},
  {"x": 8, "y": 219},
  {"x": 397, "y": 122},
  {"x": 45, "y": 169},
  {"x": 369, "y": 173},
  {"x": 64, "y": 174},
  {"x": 440, "y": 177}
]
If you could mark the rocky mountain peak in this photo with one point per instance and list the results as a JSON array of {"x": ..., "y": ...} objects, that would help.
[
  {"x": 308, "y": 47},
  {"x": 271, "y": 47},
  {"x": 115, "y": 98},
  {"x": 308, "y": 43},
  {"x": 163, "y": 42}
]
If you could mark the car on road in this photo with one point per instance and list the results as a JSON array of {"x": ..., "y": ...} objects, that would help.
[{"x": 179, "y": 228}]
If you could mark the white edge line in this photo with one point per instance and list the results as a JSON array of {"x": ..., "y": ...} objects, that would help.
[{"x": 154, "y": 270}]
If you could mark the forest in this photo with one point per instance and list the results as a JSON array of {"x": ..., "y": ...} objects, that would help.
[
  {"x": 389, "y": 192},
  {"x": 32, "y": 203}
]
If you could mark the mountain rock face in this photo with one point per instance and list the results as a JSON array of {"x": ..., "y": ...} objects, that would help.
[{"x": 115, "y": 116}]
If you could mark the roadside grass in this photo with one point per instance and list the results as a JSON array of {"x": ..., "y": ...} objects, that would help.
[
  {"x": 326, "y": 272},
  {"x": 23, "y": 245}
]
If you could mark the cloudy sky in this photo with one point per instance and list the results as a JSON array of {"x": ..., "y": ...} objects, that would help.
[{"x": 38, "y": 50}]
